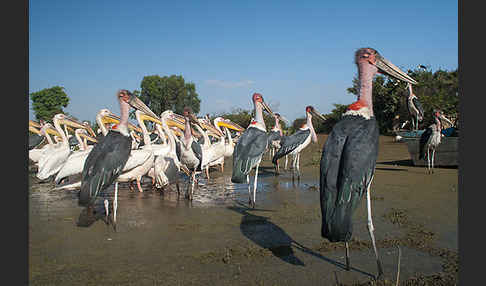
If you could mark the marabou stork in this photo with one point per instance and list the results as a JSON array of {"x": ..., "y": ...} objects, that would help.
[
  {"x": 274, "y": 136},
  {"x": 107, "y": 159},
  {"x": 349, "y": 156},
  {"x": 296, "y": 142},
  {"x": 430, "y": 139},
  {"x": 414, "y": 108},
  {"x": 250, "y": 147}
]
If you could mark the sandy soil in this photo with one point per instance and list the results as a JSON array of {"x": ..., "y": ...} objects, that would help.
[{"x": 218, "y": 240}]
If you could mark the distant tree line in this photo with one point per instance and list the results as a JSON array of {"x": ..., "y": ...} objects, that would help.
[{"x": 435, "y": 90}]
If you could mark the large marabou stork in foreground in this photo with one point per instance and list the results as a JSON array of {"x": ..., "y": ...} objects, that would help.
[
  {"x": 349, "y": 156},
  {"x": 250, "y": 147},
  {"x": 430, "y": 139},
  {"x": 107, "y": 159},
  {"x": 296, "y": 142},
  {"x": 414, "y": 108}
]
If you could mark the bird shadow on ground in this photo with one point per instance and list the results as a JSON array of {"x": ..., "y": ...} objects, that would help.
[
  {"x": 268, "y": 235},
  {"x": 407, "y": 163}
]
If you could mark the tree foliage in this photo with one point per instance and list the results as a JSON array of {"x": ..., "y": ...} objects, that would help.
[
  {"x": 435, "y": 90},
  {"x": 48, "y": 102},
  {"x": 169, "y": 92}
]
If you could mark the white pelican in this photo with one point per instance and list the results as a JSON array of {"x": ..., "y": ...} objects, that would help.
[
  {"x": 51, "y": 163},
  {"x": 75, "y": 162},
  {"x": 167, "y": 166}
]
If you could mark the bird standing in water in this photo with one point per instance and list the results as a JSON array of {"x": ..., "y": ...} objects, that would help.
[
  {"x": 250, "y": 147},
  {"x": 349, "y": 156},
  {"x": 430, "y": 139},
  {"x": 106, "y": 160}
]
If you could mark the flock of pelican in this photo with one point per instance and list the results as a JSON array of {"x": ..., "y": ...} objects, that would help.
[{"x": 176, "y": 143}]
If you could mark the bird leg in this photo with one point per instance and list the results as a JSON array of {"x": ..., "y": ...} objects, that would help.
[
  {"x": 298, "y": 166},
  {"x": 255, "y": 185},
  {"x": 347, "y": 256},
  {"x": 249, "y": 188},
  {"x": 371, "y": 230},
  {"x": 207, "y": 171},
  {"x": 115, "y": 205},
  {"x": 107, "y": 212},
  {"x": 139, "y": 186},
  {"x": 286, "y": 160},
  {"x": 428, "y": 160},
  {"x": 433, "y": 159}
]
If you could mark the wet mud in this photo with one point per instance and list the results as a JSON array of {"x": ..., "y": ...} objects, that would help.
[{"x": 163, "y": 239}]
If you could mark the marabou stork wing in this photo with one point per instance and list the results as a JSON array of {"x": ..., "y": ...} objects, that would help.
[
  {"x": 419, "y": 107},
  {"x": 290, "y": 143},
  {"x": 273, "y": 135},
  {"x": 424, "y": 138},
  {"x": 197, "y": 149},
  {"x": 347, "y": 167},
  {"x": 248, "y": 153},
  {"x": 35, "y": 140},
  {"x": 103, "y": 165}
]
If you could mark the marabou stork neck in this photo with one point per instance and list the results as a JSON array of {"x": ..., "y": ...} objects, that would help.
[
  {"x": 414, "y": 108},
  {"x": 430, "y": 139},
  {"x": 349, "y": 156},
  {"x": 296, "y": 142},
  {"x": 106, "y": 160},
  {"x": 250, "y": 147}
]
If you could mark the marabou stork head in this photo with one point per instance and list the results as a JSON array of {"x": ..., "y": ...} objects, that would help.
[
  {"x": 370, "y": 56},
  {"x": 440, "y": 115},
  {"x": 312, "y": 111},
  {"x": 135, "y": 102},
  {"x": 258, "y": 99}
]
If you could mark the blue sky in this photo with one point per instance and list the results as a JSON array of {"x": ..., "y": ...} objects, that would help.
[{"x": 295, "y": 53}]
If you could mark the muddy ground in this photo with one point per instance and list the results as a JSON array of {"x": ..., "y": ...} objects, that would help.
[{"x": 218, "y": 240}]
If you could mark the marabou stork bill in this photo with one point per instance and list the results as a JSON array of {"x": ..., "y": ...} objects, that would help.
[
  {"x": 106, "y": 160},
  {"x": 414, "y": 108},
  {"x": 349, "y": 155},
  {"x": 430, "y": 139},
  {"x": 250, "y": 147},
  {"x": 296, "y": 142}
]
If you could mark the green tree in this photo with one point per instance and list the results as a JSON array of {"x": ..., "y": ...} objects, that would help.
[
  {"x": 169, "y": 92},
  {"x": 434, "y": 90},
  {"x": 48, "y": 102}
]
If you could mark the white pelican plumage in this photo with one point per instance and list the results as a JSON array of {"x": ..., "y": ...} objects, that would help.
[{"x": 51, "y": 163}]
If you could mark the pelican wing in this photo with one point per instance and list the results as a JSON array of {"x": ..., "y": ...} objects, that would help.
[
  {"x": 248, "y": 153},
  {"x": 290, "y": 143},
  {"x": 103, "y": 165}
]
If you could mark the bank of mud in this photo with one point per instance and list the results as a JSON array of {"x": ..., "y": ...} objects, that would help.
[{"x": 218, "y": 240}]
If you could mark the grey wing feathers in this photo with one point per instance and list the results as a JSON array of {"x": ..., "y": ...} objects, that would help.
[
  {"x": 289, "y": 143},
  {"x": 417, "y": 104},
  {"x": 247, "y": 153},
  {"x": 103, "y": 165}
]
